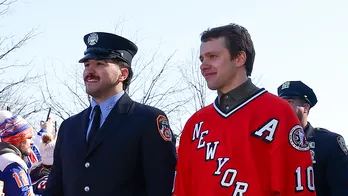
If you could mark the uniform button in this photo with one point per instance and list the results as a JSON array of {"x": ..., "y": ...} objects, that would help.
[
  {"x": 227, "y": 107},
  {"x": 87, "y": 165},
  {"x": 86, "y": 188},
  {"x": 226, "y": 97}
]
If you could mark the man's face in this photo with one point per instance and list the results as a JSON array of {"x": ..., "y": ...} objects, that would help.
[
  {"x": 217, "y": 67},
  {"x": 102, "y": 77},
  {"x": 25, "y": 146},
  {"x": 299, "y": 106}
]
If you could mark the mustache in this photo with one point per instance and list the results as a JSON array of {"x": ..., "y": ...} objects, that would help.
[{"x": 90, "y": 76}]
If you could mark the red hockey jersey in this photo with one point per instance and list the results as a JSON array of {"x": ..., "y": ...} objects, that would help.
[{"x": 257, "y": 149}]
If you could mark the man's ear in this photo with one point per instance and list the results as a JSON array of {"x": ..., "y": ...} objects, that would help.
[
  {"x": 241, "y": 59},
  {"x": 307, "y": 107},
  {"x": 124, "y": 74}
]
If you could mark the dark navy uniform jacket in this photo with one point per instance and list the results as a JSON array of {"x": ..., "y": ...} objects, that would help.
[
  {"x": 330, "y": 161},
  {"x": 133, "y": 154}
]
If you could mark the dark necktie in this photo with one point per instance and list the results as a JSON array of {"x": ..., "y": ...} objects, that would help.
[{"x": 95, "y": 125}]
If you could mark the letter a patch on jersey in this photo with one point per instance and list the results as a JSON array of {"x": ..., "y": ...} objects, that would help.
[
  {"x": 163, "y": 128},
  {"x": 267, "y": 130}
]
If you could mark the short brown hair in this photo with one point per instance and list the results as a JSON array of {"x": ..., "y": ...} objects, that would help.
[{"x": 237, "y": 39}]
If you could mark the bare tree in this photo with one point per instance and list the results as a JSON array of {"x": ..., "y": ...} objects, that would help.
[
  {"x": 16, "y": 89},
  {"x": 5, "y": 6},
  {"x": 196, "y": 90},
  {"x": 154, "y": 85},
  {"x": 257, "y": 80},
  {"x": 195, "y": 82},
  {"x": 68, "y": 95}
]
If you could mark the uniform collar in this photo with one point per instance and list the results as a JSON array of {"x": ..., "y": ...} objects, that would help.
[
  {"x": 309, "y": 131},
  {"x": 107, "y": 105}
]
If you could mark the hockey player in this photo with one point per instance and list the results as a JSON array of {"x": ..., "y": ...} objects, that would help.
[
  {"x": 16, "y": 141},
  {"x": 248, "y": 142}
]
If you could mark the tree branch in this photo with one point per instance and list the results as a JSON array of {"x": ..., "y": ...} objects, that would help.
[{"x": 19, "y": 44}]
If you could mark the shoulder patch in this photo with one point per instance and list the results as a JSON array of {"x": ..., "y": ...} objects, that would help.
[
  {"x": 297, "y": 138},
  {"x": 342, "y": 144},
  {"x": 163, "y": 128}
]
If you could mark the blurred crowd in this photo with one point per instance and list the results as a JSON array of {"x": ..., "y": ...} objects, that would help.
[{"x": 31, "y": 153}]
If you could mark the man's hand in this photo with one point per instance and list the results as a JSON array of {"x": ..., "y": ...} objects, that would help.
[{"x": 48, "y": 126}]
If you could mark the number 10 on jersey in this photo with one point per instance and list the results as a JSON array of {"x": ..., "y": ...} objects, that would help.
[{"x": 309, "y": 179}]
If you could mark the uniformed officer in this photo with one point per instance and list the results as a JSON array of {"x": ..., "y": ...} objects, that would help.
[
  {"x": 116, "y": 146},
  {"x": 328, "y": 149}
]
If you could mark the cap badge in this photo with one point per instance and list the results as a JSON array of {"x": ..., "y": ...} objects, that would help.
[
  {"x": 92, "y": 39},
  {"x": 285, "y": 85}
]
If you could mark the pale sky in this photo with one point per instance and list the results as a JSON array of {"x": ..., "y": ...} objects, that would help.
[{"x": 294, "y": 40}]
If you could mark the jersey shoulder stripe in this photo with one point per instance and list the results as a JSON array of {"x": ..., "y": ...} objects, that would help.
[{"x": 9, "y": 158}]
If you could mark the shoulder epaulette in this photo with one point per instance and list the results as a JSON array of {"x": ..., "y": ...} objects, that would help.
[{"x": 321, "y": 129}]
